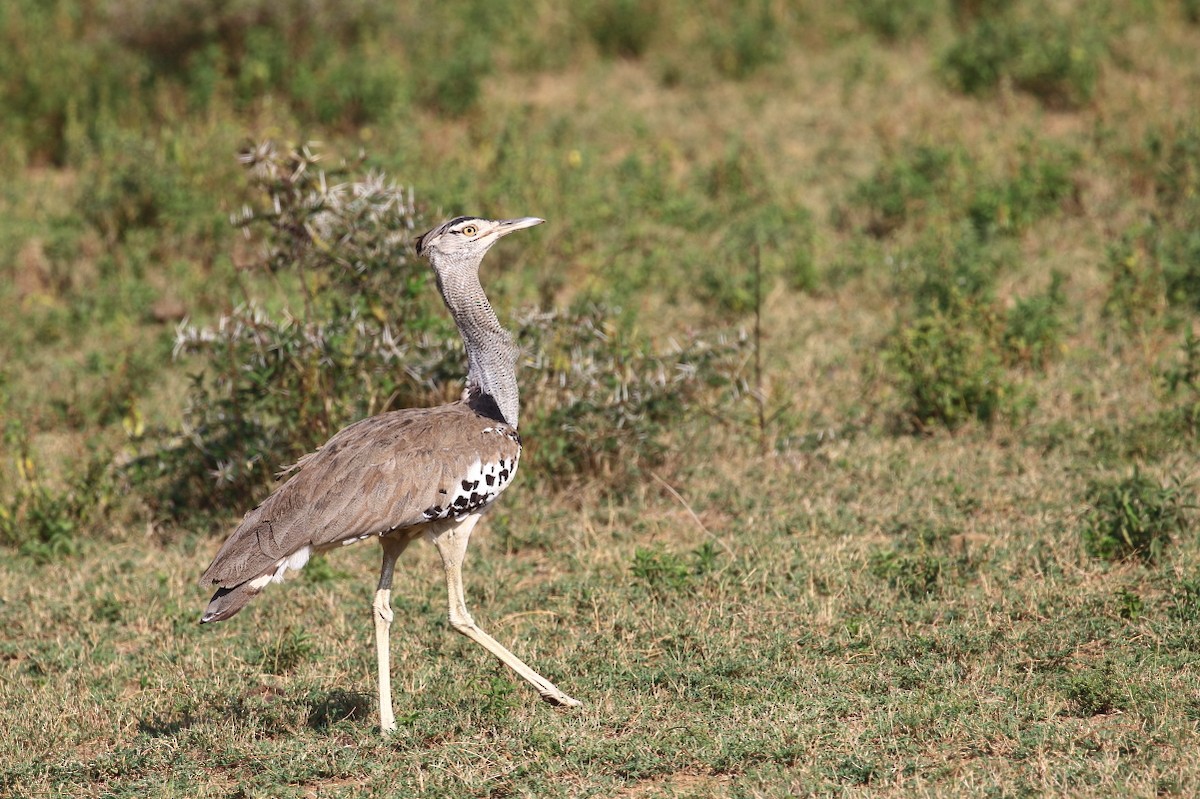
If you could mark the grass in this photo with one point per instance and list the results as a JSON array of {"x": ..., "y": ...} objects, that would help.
[
  {"x": 932, "y": 535},
  {"x": 791, "y": 663}
]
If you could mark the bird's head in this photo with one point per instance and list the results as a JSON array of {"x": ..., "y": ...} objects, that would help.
[{"x": 468, "y": 238}]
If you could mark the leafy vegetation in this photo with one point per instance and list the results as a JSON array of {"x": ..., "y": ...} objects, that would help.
[
  {"x": 948, "y": 367},
  {"x": 893, "y": 21},
  {"x": 623, "y": 27},
  {"x": 929, "y": 183},
  {"x": 48, "y": 523},
  {"x": 1051, "y": 56},
  {"x": 1135, "y": 517},
  {"x": 861, "y": 391}
]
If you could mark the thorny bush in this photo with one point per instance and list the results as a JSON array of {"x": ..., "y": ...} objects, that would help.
[
  {"x": 602, "y": 402},
  {"x": 371, "y": 337}
]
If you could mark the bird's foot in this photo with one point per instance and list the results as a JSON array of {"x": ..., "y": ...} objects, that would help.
[{"x": 559, "y": 699}]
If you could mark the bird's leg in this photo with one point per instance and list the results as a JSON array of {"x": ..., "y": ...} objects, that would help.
[
  {"x": 451, "y": 544},
  {"x": 382, "y": 607}
]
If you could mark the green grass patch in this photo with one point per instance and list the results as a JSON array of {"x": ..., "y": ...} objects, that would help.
[{"x": 1135, "y": 517}]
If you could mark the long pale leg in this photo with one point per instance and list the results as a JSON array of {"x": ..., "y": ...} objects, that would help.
[
  {"x": 451, "y": 543},
  {"x": 382, "y": 607}
]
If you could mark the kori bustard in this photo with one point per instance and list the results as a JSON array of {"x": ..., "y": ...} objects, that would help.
[{"x": 419, "y": 472}]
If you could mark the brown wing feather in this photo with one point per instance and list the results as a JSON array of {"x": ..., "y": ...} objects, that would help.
[{"x": 379, "y": 474}]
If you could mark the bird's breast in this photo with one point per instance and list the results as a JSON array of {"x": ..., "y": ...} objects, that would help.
[{"x": 482, "y": 481}]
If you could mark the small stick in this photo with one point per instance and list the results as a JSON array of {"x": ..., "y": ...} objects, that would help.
[
  {"x": 759, "y": 398},
  {"x": 692, "y": 513}
]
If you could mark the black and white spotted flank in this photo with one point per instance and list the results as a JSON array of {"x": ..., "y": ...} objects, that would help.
[{"x": 479, "y": 487}]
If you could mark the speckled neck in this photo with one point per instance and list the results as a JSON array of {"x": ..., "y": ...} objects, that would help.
[{"x": 491, "y": 352}]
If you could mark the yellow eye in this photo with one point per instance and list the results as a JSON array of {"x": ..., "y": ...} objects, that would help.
[{"x": 469, "y": 230}]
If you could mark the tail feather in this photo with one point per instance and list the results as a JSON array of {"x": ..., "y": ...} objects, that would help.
[{"x": 226, "y": 602}]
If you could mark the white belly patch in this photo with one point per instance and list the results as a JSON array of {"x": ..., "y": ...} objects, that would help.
[{"x": 477, "y": 489}]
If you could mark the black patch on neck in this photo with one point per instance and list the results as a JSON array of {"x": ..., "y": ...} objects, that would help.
[{"x": 485, "y": 405}]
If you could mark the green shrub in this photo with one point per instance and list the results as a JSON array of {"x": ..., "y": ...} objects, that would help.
[
  {"x": 906, "y": 186},
  {"x": 44, "y": 521},
  {"x": 1056, "y": 59},
  {"x": 1183, "y": 377},
  {"x": 1134, "y": 517},
  {"x": 1033, "y": 326},
  {"x": 1136, "y": 285},
  {"x": 1148, "y": 437},
  {"x": 978, "y": 60},
  {"x": 1160, "y": 256},
  {"x": 925, "y": 183},
  {"x": 603, "y": 404},
  {"x": 948, "y": 367},
  {"x": 764, "y": 237},
  {"x": 892, "y": 20},
  {"x": 271, "y": 388},
  {"x": 79, "y": 69},
  {"x": 1175, "y": 159},
  {"x": 1178, "y": 253},
  {"x": 660, "y": 569},
  {"x": 318, "y": 56},
  {"x": 130, "y": 187},
  {"x": 666, "y": 571},
  {"x": 448, "y": 50},
  {"x": 967, "y": 11},
  {"x": 745, "y": 38},
  {"x": 1130, "y": 605},
  {"x": 949, "y": 265},
  {"x": 284, "y": 653},
  {"x": 1042, "y": 181},
  {"x": 621, "y": 28},
  {"x": 1059, "y": 62},
  {"x": 913, "y": 575},
  {"x": 949, "y": 356},
  {"x": 756, "y": 249},
  {"x": 1168, "y": 428},
  {"x": 60, "y": 81},
  {"x": 1184, "y": 601},
  {"x": 353, "y": 88},
  {"x": 1096, "y": 691},
  {"x": 729, "y": 289},
  {"x": 736, "y": 180},
  {"x": 452, "y": 82}
]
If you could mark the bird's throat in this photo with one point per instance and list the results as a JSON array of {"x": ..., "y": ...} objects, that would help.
[{"x": 491, "y": 352}]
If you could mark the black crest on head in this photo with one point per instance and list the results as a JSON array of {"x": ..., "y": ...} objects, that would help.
[{"x": 424, "y": 237}]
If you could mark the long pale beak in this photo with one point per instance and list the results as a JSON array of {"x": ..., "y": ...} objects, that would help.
[{"x": 506, "y": 226}]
